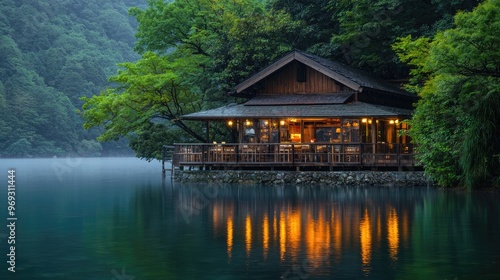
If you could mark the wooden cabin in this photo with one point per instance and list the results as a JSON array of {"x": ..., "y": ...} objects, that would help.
[{"x": 304, "y": 111}]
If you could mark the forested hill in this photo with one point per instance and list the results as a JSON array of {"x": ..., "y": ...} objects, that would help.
[{"x": 53, "y": 53}]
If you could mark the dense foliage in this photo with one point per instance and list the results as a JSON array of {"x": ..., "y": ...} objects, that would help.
[
  {"x": 54, "y": 52},
  {"x": 203, "y": 48},
  {"x": 189, "y": 54},
  {"x": 457, "y": 120},
  {"x": 360, "y": 33},
  {"x": 193, "y": 52}
]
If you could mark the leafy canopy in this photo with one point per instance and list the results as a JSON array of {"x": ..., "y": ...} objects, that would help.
[
  {"x": 360, "y": 33},
  {"x": 193, "y": 52},
  {"x": 457, "y": 120},
  {"x": 149, "y": 91},
  {"x": 210, "y": 46}
]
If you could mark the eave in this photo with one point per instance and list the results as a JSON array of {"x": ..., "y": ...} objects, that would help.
[{"x": 355, "y": 109}]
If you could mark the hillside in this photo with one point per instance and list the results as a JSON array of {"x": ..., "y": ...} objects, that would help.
[{"x": 54, "y": 52}]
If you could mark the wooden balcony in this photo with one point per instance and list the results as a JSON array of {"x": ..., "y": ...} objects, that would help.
[{"x": 294, "y": 155}]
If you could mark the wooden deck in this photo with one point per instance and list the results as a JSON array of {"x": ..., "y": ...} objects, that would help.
[{"x": 294, "y": 155}]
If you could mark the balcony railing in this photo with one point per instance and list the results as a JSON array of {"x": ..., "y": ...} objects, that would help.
[{"x": 294, "y": 154}]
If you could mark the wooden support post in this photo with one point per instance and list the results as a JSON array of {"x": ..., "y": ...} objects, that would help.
[
  {"x": 167, "y": 153},
  {"x": 360, "y": 154},
  {"x": 207, "y": 136}
]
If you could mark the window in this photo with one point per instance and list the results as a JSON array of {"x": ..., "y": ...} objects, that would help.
[
  {"x": 264, "y": 131},
  {"x": 294, "y": 131},
  {"x": 301, "y": 73},
  {"x": 328, "y": 130},
  {"x": 350, "y": 131}
]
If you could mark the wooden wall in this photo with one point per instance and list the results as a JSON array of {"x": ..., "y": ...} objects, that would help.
[{"x": 285, "y": 81}]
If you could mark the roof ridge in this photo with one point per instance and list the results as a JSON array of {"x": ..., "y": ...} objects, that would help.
[{"x": 352, "y": 77}]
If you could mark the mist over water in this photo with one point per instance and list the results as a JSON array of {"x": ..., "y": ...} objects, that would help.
[{"x": 115, "y": 218}]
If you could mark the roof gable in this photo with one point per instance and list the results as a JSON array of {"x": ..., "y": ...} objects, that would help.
[
  {"x": 290, "y": 57},
  {"x": 354, "y": 79}
]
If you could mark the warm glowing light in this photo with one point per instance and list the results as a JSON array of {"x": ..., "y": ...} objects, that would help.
[
  {"x": 248, "y": 234},
  {"x": 393, "y": 233},
  {"x": 229, "y": 237},
  {"x": 391, "y": 121},
  {"x": 230, "y": 123},
  {"x": 337, "y": 235},
  {"x": 364, "y": 120},
  {"x": 319, "y": 233},
  {"x": 396, "y": 121},
  {"x": 265, "y": 235},
  {"x": 216, "y": 218},
  {"x": 365, "y": 235},
  {"x": 295, "y": 136},
  {"x": 310, "y": 238},
  {"x": 282, "y": 230},
  {"x": 293, "y": 120},
  {"x": 282, "y": 122},
  {"x": 317, "y": 238},
  {"x": 266, "y": 122},
  {"x": 275, "y": 226},
  {"x": 294, "y": 234},
  {"x": 248, "y": 123}
]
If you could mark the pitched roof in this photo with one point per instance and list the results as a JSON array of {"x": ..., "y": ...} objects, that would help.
[
  {"x": 355, "y": 109},
  {"x": 353, "y": 78},
  {"x": 321, "y": 105}
]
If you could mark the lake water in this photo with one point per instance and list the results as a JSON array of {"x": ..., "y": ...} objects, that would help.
[{"x": 115, "y": 218}]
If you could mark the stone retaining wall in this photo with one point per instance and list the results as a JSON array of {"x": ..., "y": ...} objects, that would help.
[{"x": 354, "y": 178}]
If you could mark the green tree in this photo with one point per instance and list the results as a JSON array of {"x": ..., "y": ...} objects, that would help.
[
  {"x": 360, "y": 33},
  {"x": 149, "y": 91},
  {"x": 457, "y": 121},
  {"x": 193, "y": 53},
  {"x": 20, "y": 148},
  {"x": 236, "y": 37}
]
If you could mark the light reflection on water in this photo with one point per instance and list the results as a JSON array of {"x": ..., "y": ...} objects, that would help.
[
  {"x": 117, "y": 219},
  {"x": 321, "y": 227},
  {"x": 379, "y": 233}
]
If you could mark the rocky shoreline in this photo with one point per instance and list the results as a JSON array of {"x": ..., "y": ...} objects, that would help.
[{"x": 337, "y": 178}]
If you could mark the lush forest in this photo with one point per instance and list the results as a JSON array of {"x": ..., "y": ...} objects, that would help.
[
  {"x": 194, "y": 52},
  {"x": 188, "y": 54},
  {"x": 456, "y": 73},
  {"x": 52, "y": 54}
]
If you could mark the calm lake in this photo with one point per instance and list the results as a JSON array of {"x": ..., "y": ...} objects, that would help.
[{"x": 115, "y": 218}]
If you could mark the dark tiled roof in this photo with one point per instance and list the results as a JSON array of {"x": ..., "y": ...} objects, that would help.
[
  {"x": 299, "y": 99},
  {"x": 356, "y": 109}
]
